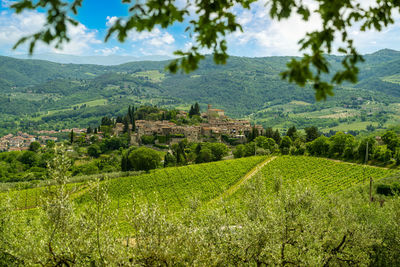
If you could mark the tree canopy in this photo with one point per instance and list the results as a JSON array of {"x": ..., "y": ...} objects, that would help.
[{"x": 214, "y": 20}]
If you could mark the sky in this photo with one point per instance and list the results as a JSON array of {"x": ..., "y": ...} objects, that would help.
[{"x": 261, "y": 36}]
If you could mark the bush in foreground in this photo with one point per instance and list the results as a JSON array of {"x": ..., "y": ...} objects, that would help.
[{"x": 287, "y": 225}]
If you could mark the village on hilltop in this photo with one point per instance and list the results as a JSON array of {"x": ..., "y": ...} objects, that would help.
[{"x": 217, "y": 125}]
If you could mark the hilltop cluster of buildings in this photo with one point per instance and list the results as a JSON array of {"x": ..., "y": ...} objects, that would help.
[
  {"x": 218, "y": 124},
  {"x": 21, "y": 141}
]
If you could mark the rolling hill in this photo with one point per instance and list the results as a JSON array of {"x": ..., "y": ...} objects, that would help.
[{"x": 39, "y": 94}]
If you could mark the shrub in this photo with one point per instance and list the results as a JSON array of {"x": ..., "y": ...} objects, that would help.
[
  {"x": 144, "y": 159},
  {"x": 148, "y": 139}
]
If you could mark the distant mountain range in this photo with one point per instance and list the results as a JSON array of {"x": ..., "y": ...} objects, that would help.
[
  {"x": 97, "y": 60},
  {"x": 37, "y": 94}
]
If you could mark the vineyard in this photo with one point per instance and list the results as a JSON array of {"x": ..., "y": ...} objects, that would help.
[
  {"x": 327, "y": 176},
  {"x": 177, "y": 187}
]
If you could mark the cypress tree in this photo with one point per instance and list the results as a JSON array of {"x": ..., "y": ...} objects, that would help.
[
  {"x": 72, "y": 136},
  {"x": 129, "y": 113},
  {"x": 126, "y": 124},
  {"x": 191, "y": 111},
  {"x": 277, "y": 137},
  {"x": 196, "y": 109},
  {"x": 269, "y": 133},
  {"x": 291, "y": 132},
  {"x": 133, "y": 119}
]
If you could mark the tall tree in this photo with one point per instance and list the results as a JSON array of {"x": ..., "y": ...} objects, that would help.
[
  {"x": 126, "y": 124},
  {"x": 72, "y": 137},
  {"x": 311, "y": 133},
  {"x": 292, "y": 133},
  {"x": 277, "y": 137},
  {"x": 269, "y": 132},
  {"x": 391, "y": 139},
  {"x": 285, "y": 145},
  {"x": 196, "y": 109},
  {"x": 191, "y": 111}
]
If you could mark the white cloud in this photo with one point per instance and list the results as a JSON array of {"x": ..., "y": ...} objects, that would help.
[
  {"x": 14, "y": 26},
  {"x": 108, "y": 51},
  {"x": 263, "y": 36},
  {"x": 111, "y": 20},
  {"x": 81, "y": 42},
  {"x": 271, "y": 37},
  {"x": 155, "y": 38},
  {"x": 155, "y": 42}
]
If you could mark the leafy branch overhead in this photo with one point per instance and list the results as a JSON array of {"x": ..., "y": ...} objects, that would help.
[{"x": 215, "y": 19}]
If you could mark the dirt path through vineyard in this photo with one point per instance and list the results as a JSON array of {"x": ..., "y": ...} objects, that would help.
[{"x": 230, "y": 191}]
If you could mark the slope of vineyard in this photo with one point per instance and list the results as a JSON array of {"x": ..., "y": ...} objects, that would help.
[
  {"x": 326, "y": 175},
  {"x": 177, "y": 187}
]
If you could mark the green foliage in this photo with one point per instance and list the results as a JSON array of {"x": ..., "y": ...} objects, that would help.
[
  {"x": 266, "y": 143},
  {"x": 245, "y": 150},
  {"x": 319, "y": 147},
  {"x": 388, "y": 189},
  {"x": 144, "y": 159},
  {"x": 34, "y": 146},
  {"x": 113, "y": 143},
  {"x": 341, "y": 144},
  {"x": 194, "y": 110},
  {"x": 311, "y": 133},
  {"x": 365, "y": 154},
  {"x": 391, "y": 139},
  {"x": 204, "y": 155},
  {"x": 148, "y": 139},
  {"x": 94, "y": 150},
  {"x": 169, "y": 160},
  {"x": 292, "y": 133},
  {"x": 207, "y": 152},
  {"x": 239, "y": 151},
  {"x": 383, "y": 154},
  {"x": 275, "y": 225},
  {"x": 285, "y": 145},
  {"x": 327, "y": 175}
]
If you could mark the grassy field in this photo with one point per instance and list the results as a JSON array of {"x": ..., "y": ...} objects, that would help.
[
  {"x": 152, "y": 75},
  {"x": 392, "y": 79},
  {"x": 359, "y": 125},
  {"x": 93, "y": 103}
]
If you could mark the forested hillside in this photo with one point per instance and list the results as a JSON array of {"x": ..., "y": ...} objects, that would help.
[{"x": 39, "y": 94}]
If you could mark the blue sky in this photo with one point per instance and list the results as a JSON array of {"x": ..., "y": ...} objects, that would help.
[{"x": 261, "y": 36}]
